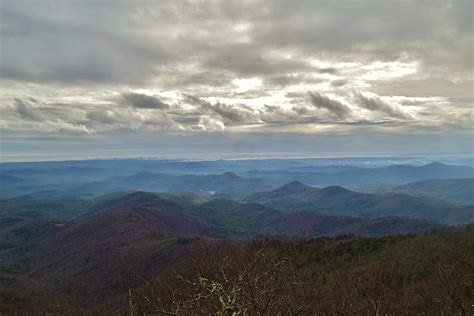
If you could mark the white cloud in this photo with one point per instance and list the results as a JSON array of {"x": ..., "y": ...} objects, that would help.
[
  {"x": 207, "y": 123},
  {"x": 245, "y": 85},
  {"x": 255, "y": 66}
]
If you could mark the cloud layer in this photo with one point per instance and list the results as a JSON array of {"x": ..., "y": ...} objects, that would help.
[{"x": 96, "y": 68}]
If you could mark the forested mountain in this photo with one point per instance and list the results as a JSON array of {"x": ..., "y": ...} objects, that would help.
[
  {"x": 93, "y": 182},
  {"x": 126, "y": 262},
  {"x": 147, "y": 237},
  {"x": 363, "y": 177},
  {"x": 295, "y": 196},
  {"x": 454, "y": 190}
]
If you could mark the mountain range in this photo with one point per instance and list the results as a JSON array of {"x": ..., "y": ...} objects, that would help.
[
  {"x": 460, "y": 191},
  {"x": 371, "y": 177},
  {"x": 89, "y": 237},
  {"x": 296, "y": 196},
  {"x": 54, "y": 182}
]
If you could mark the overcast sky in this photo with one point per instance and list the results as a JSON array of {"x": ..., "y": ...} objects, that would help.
[{"x": 193, "y": 79}]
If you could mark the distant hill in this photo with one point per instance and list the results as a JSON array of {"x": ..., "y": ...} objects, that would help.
[
  {"x": 65, "y": 175},
  {"x": 128, "y": 231},
  {"x": 226, "y": 184},
  {"x": 231, "y": 219},
  {"x": 24, "y": 232},
  {"x": 6, "y": 179},
  {"x": 93, "y": 182},
  {"x": 453, "y": 190},
  {"x": 324, "y": 169},
  {"x": 391, "y": 175},
  {"x": 296, "y": 196},
  {"x": 223, "y": 218},
  {"x": 21, "y": 208}
]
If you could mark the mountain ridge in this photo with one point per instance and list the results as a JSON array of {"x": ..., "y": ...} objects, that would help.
[{"x": 340, "y": 201}]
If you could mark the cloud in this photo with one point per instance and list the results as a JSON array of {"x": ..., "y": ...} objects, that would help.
[
  {"x": 374, "y": 103},
  {"x": 81, "y": 43},
  {"x": 113, "y": 118},
  {"x": 339, "y": 83},
  {"x": 30, "y": 115},
  {"x": 175, "y": 44},
  {"x": 102, "y": 116},
  {"x": 334, "y": 107},
  {"x": 229, "y": 66},
  {"x": 210, "y": 124},
  {"x": 143, "y": 101},
  {"x": 236, "y": 113},
  {"x": 28, "y": 112}
]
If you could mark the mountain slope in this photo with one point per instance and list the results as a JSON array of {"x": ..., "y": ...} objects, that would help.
[
  {"x": 391, "y": 175},
  {"x": 121, "y": 242},
  {"x": 14, "y": 211},
  {"x": 231, "y": 219},
  {"x": 452, "y": 190},
  {"x": 296, "y": 196},
  {"x": 315, "y": 225},
  {"x": 176, "y": 219},
  {"x": 226, "y": 184},
  {"x": 6, "y": 179},
  {"x": 318, "y": 273},
  {"x": 223, "y": 218}
]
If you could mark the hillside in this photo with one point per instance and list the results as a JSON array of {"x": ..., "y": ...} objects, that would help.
[
  {"x": 295, "y": 196},
  {"x": 226, "y": 184},
  {"x": 312, "y": 224},
  {"x": 128, "y": 265},
  {"x": 365, "y": 177},
  {"x": 459, "y": 191},
  {"x": 6, "y": 179},
  {"x": 88, "y": 256},
  {"x": 27, "y": 211},
  {"x": 90, "y": 182},
  {"x": 223, "y": 218}
]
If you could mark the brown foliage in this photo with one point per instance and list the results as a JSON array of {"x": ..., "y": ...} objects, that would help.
[{"x": 261, "y": 278}]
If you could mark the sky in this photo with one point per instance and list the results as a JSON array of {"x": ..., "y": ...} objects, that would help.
[{"x": 232, "y": 79}]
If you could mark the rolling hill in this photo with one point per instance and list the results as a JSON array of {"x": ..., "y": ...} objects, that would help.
[
  {"x": 227, "y": 184},
  {"x": 312, "y": 224},
  {"x": 296, "y": 196},
  {"x": 223, "y": 218},
  {"x": 93, "y": 182},
  {"x": 390, "y": 175},
  {"x": 453, "y": 190},
  {"x": 6, "y": 179},
  {"x": 84, "y": 261}
]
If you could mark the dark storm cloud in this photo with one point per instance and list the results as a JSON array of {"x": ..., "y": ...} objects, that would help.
[
  {"x": 143, "y": 101},
  {"x": 335, "y": 107}
]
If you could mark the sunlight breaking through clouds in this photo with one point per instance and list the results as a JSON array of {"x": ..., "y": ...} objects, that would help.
[{"x": 232, "y": 67}]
